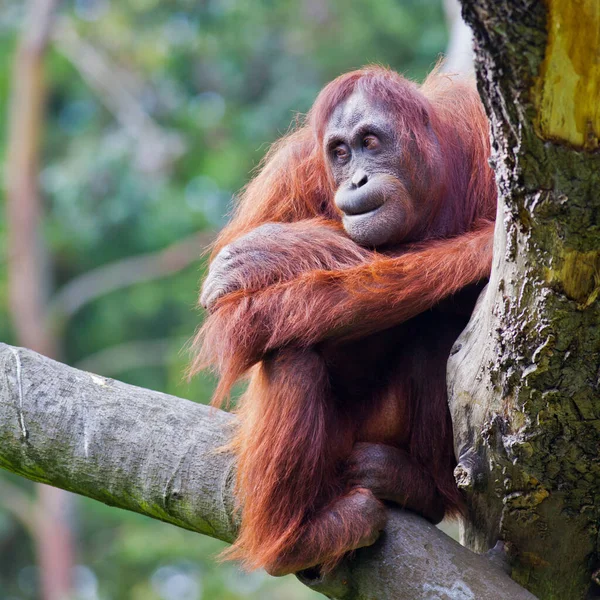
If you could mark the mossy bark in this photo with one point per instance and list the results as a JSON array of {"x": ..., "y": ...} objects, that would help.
[{"x": 524, "y": 378}]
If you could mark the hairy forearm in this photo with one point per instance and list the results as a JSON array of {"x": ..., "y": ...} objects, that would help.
[
  {"x": 383, "y": 293},
  {"x": 276, "y": 253},
  {"x": 345, "y": 304}
]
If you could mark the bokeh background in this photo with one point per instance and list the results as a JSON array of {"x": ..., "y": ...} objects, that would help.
[{"x": 126, "y": 127}]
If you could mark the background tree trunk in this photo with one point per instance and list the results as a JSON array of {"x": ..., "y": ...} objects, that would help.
[
  {"x": 459, "y": 52},
  {"x": 525, "y": 375},
  {"x": 28, "y": 272}
]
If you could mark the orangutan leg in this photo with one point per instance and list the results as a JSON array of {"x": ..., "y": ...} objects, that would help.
[
  {"x": 350, "y": 522},
  {"x": 393, "y": 475}
]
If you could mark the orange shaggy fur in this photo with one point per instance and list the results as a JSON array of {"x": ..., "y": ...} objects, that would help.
[{"x": 296, "y": 427}]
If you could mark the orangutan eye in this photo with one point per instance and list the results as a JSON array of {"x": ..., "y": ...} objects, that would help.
[
  {"x": 370, "y": 142},
  {"x": 341, "y": 153}
]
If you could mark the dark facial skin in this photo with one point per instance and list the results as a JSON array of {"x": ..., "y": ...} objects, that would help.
[{"x": 373, "y": 191}]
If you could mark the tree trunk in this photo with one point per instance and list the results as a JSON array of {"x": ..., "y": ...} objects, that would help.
[
  {"x": 525, "y": 375},
  {"x": 28, "y": 267}
]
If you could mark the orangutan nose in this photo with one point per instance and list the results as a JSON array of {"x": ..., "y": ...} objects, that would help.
[{"x": 359, "y": 178}]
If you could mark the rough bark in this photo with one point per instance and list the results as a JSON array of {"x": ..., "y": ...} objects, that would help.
[
  {"x": 524, "y": 377},
  {"x": 163, "y": 457}
]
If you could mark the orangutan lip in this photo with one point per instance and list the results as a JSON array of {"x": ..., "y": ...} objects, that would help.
[
  {"x": 353, "y": 221},
  {"x": 369, "y": 212},
  {"x": 355, "y": 204}
]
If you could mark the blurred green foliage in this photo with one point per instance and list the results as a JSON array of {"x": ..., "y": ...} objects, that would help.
[{"x": 215, "y": 81}]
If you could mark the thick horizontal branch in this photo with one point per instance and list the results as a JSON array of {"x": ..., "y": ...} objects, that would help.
[
  {"x": 125, "y": 446},
  {"x": 163, "y": 457}
]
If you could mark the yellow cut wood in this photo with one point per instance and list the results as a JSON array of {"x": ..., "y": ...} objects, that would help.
[{"x": 567, "y": 91}]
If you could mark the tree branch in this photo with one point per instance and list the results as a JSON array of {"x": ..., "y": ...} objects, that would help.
[
  {"x": 162, "y": 456},
  {"x": 120, "y": 92},
  {"x": 122, "y": 273},
  {"x": 131, "y": 355}
]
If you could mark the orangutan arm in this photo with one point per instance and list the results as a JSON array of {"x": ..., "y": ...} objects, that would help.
[
  {"x": 276, "y": 253},
  {"x": 345, "y": 304}
]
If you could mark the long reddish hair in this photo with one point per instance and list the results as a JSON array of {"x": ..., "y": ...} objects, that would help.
[
  {"x": 294, "y": 183},
  {"x": 288, "y": 434}
]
